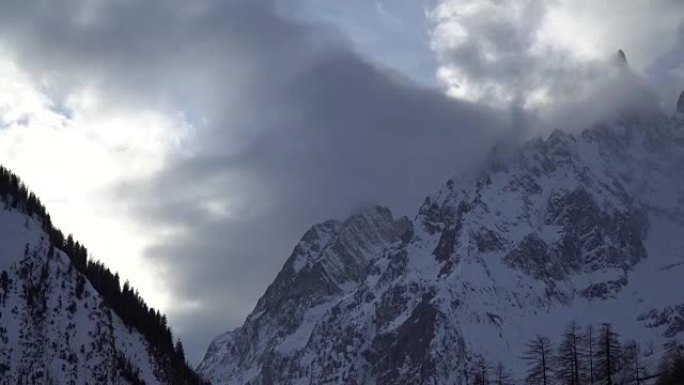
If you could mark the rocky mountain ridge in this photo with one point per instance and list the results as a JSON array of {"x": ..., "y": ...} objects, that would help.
[{"x": 583, "y": 227}]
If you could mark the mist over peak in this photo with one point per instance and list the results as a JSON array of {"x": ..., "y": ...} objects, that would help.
[{"x": 190, "y": 143}]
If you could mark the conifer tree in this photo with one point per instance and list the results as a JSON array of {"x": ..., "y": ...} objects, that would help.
[
  {"x": 567, "y": 368},
  {"x": 608, "y": 353},
  {"x": 539, "y": 357},
  {"x": 480, "y": 372},
  {"x": 671, "y": 366},
  {"x": 632, "y": 362},
  {"x": 502, "y": 375},
  {"x": 588, "y": 352},
  {"x": 180, "y": 351}
]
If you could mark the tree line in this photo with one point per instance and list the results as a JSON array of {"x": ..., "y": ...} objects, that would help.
[
  {"x": 125, "y": 301},
  {"x": 585, "y": 356},
  {"x": 598, "y": 356}
]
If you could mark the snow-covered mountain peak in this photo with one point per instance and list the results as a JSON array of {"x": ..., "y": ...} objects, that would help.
[
  {"x": 340, "y": 250},
  {"x": 331, "y": 259},
  {"x": 583, "y": 226}
]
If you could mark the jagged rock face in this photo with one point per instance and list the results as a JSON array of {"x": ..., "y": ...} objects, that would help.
[
  {"x": 680, "y": 103},
  {"x": 331, "y": 260},
  {"x": 54, "y": 327},
  {"x": 585, "y": 227}
]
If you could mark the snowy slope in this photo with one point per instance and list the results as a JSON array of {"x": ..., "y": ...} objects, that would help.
[
  {"x": 586, "y": 227},
  {"x": 329, "y": 263},
  {"x": 55, "y": 327}
]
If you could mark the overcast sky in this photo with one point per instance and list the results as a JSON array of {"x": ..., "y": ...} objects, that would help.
[{"x": 189, "y": 144}]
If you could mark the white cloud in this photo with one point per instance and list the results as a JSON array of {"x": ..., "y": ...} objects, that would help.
[
  {"x": 73, "y": 153},
  {"x": 534, "y": 53}
]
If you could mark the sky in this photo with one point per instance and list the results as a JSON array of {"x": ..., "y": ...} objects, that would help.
[{"x": 190, "y": 143}]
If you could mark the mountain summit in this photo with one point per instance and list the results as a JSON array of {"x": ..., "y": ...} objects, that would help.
[{"x": 583, "y": 227}]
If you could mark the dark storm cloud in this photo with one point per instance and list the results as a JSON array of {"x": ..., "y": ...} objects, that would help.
[
  {"x": 340, "y": 134},
  {"x": 292, "y": 127}
]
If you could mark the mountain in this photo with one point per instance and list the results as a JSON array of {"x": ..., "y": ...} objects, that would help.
[
  {"x": 67, "y": 320},
  {"x": 585, "y": 227}
]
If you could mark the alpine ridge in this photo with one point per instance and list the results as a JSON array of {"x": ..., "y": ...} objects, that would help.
[
  {"x": 65, "y": 319},
  {"x": 583, "y": 227}
]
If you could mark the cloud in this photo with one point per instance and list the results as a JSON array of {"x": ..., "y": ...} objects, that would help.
[
  {"x": 393, "y": 32},
  {"x": 550, "y": 57},
  {"x": 252, "y": 124},
  {"x": 337, "y": 133},
  {"x": 275, "y": 123},
  {"x": 72, "y": 154}
]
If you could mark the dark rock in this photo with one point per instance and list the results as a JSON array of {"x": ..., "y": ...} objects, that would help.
[
  {"x": 604, "y": 290},
  {"x": 533, "y": 257},
  {"x": 671, "y": 318},
  {"x": 409, "y": 344},
  {"x": 487, "y": 241},
  {"x": 621, "y": 58}
]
